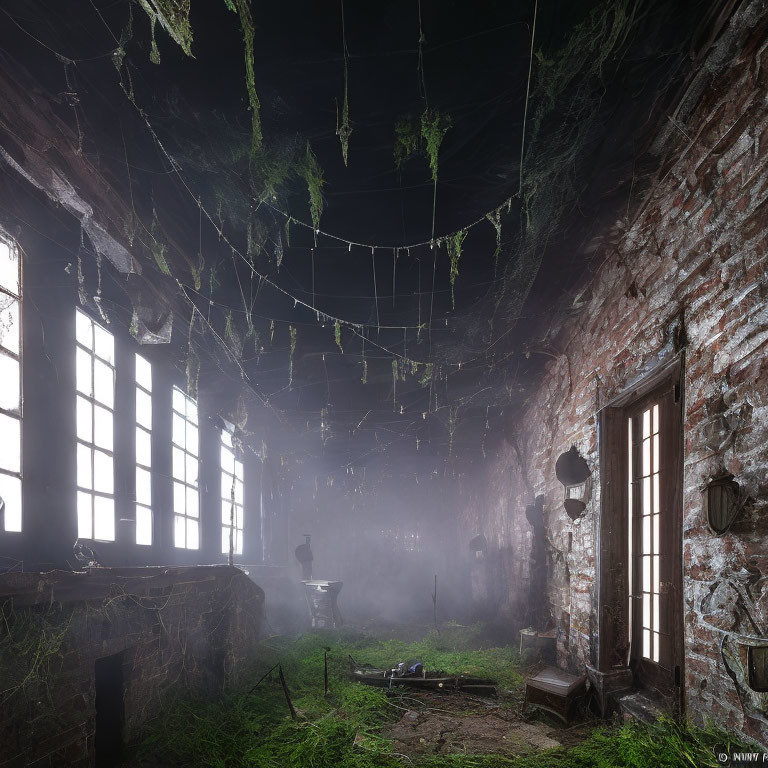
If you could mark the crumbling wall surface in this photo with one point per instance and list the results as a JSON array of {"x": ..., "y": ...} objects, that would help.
[
  {"x": 690, "y": 273},
  {"x": 171, "y": 630}
]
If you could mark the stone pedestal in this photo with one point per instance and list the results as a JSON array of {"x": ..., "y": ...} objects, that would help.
[{"x": 322, "y": 602}]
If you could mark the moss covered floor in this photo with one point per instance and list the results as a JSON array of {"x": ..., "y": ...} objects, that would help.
[{"x": 357, "y": 726}]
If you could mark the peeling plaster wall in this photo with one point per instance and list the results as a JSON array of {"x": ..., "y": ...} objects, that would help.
[{"x": 694, "y": 262}]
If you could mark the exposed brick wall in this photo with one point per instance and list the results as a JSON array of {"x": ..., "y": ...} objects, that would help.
[
  {"x": 178, "y": 629},
  {"x": 695, "y": 258}
]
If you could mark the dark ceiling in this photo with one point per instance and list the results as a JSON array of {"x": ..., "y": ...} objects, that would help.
[{"x": 476, "y": 58}]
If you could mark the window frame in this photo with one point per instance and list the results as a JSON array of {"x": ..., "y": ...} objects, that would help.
[
  {"x": 18, "y": 358},
  {"x": 228, "y": 478},
  {"x": 140, "y": 506},
  {"x": 186, "y": 516},
  {"x": 91, "y": 444}
]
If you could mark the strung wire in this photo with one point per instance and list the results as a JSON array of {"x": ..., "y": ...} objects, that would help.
[
  {"x": 527, "y": 94},
  {"x": 403, "y": 247}
]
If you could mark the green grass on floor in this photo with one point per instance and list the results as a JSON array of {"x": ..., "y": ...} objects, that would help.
[{"x": 253, "y": 730}]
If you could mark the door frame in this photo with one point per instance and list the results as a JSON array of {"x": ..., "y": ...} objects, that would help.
[{"x": 613, "y": 529}]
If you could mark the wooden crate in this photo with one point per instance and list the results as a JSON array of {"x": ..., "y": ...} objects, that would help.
[{"x": 556, "y": 692}]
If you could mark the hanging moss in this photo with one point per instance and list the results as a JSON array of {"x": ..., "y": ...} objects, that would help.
[
  {"x": 426, "y": 379},
  {"x": 243, "y": 10},
  {"x": 231, "y": 336},
  {"x": 271, "y": 331},
  {"x": 313, "y": 175},
  {"x": 343, "y": 128},
  {"x": 407, "y": 140},
  {"x": 364, "y": 378},
  {"x": 434, "y": 125},
  {"x": 454, "y": 243},
  {"x": 173, "y": 16},
  {"x": 337, "y": 335},
  {"x": 292, "y": 332},
  {"x": 495, "y": 218},
  {"x": 158, "y": 248},
  {"x": 394, "y": 384}
]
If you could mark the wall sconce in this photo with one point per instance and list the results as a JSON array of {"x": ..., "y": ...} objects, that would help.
[
  {"x": 723, "y": 503},
  {"x": 573, "y": 472}
]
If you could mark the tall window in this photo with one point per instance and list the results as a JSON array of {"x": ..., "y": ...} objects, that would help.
[
  {"x": 644, "y": 518},
  {"x": 186, "y": 506},
  {"x": 95, "y": 402},
  {"x": 231, "y": 497},
  {"x": 10, "y": 388},
  {"x": 143, "y": 451}
]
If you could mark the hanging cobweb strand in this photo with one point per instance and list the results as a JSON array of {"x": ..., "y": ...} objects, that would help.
[{"x": 454, "y": 245}]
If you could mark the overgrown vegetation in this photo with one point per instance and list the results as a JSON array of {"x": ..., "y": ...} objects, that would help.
[
  {"x": 347, "y": 729},
  {"x": 313, "y": 175}
]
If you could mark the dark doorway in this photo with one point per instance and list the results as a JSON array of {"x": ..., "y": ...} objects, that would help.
[{"x": 110, "y": 711}]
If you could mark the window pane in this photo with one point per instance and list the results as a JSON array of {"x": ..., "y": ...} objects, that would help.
[
  {"x": 10, "y": 500},
  {"x": 83, "y": 372},
  {"x": 102, "y": 428},
  {"x": 143, "y": 486},
  {"x": 103, "y": 478},
  {"x": 191, "y": 410},
  {"x": 192, "y": 469},
  {"x": 10, "y": 330},
  {"x": 143, "y": 409},
  {"x": 646, "y": 574},
  {"x": 10, "y": 443},
  {"x": 647, "y": 496},
  {"x": 143, "y": 447},
  {"x": 239, "y": 470},
  {"x": 238, "y": 542},
  {"x": 224, "y": 540},
  {"x": 192, "y": 445},
  {"x": 646, "y": 535},
  {"x": 143, "y": 373},
  {"x": 178, "y": 430},
  {"x": 655, "y": 646},
  {"x": 84, "y": 420},
  {"x": 656, "y": 541},
  {"x": 83, "y": 329},
  {"x": 193, "y": 538},
  {"x": 192, "y": 504},
  {"x": 143, "y": 525},
  {"x": 239, "y": 492},
  {"x": 655, "y": 418},
  {"x": 178, "y": 401},
  {"x": 9, "y": 268},
  {"x": 646, "y": 610},
  {"x": 179, "y": 498},
  {"x": 178, "y": 464},
  {"x": 179, "y": 531},
  {"x": 227, "y": 459},
  {"x": 103, "y": 518},
  {"x": 10, "y": 391},
  {"x": 646, "y": 423},
  {"x": 656, "y": 624},
  {"x": 103, "y": 384},
  {"x": 646, "y": 644},
  {"x": 225, "y": 511},
  {"x": 104, "y": 344},
  {"x": 646, "y": 457},
  {"x": 656, "y": 507},
  {"x": 84, "y": 515},
  {"x": 226, "y": 439},
  {"x": 84, "y": 469}
]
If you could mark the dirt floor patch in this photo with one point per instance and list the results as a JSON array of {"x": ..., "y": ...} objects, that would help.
[{"x": 440, "y": 724}]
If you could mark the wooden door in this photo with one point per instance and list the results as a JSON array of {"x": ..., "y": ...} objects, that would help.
[{"x": 654, "y": 499}]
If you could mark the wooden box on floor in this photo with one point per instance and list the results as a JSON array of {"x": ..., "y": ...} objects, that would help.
[{"x": 556, "y": 692}]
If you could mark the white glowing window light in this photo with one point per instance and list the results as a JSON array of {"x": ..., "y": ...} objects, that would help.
[
  {"x": 143, "y": 451},
  {"x": 10, "y": 387},
  {"x": 646, "y": 545},
  {"x": 95, "y": 403},
  {"x": 231, "y": 497},
  {"x": 186, "y": 463}
]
